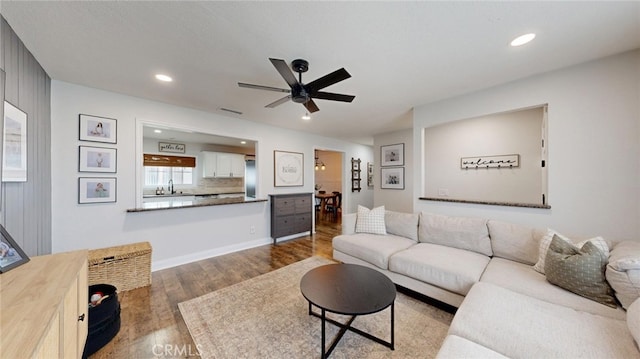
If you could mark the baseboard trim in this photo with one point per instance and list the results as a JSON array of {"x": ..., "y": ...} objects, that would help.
[{"x": 193, "y": 257}]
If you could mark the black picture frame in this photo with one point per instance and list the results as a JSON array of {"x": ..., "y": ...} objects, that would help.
[
  {"x": 11, "y": 255},
  {"x": 97, "y": 129},
  {"x": 392, "y": 178},
  {"x": 392, "y": 155}
]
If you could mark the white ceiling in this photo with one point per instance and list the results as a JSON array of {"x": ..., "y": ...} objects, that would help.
[{"x": 400, "y": 54}]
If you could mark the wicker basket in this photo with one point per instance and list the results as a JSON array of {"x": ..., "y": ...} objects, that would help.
[{"x": 126, "y": 267}]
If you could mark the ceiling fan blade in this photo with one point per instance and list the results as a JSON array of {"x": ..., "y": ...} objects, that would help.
[
  {"x": 279, "y": 102},
  {"x": 327, "y": 80},
  {"x": 260, "y": 87},
  {"x": 333, "y": 96},
  {"x": 285, "y": 72},
  {"x": 311, "y": 106}
]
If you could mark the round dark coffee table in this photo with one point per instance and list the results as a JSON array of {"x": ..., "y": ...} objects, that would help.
[{"x": 348, "y": 289}]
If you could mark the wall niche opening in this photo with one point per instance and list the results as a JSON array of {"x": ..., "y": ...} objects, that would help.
[{"x": 497, "y": 159}]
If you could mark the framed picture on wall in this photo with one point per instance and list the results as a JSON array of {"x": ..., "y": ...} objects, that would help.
[
  {"x": 96, "y": 189},
  {"x": 11, "y": 255},
  {"x": 14, "y": 152},
  {"x": 97, "y": 159},
  {"x": 98, "y": 129},
  {"x": 392, "y": 155},
  {"x": 392, "y": 178},
  {"x": 288, "y": 169}
]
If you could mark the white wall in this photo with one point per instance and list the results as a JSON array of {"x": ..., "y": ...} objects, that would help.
[
  {"x": 178, "y": 235},
  {"x": 593, "y": 146},
  {"x": 394, "y": 199}
]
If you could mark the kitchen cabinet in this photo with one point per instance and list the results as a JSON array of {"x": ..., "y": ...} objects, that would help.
[
  {"x": 290, "y": 214},
  {"x": 45, "y": 307},
  {"x": 222, "y": 165}
]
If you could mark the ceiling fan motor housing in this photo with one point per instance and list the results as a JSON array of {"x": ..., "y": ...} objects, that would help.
[{"x": 299, "y": 95}]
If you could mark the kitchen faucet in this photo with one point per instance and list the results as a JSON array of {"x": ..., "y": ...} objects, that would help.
[{"x": 170, "y": 187}]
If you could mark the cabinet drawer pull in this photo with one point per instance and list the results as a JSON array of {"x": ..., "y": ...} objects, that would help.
[{"x": 81, "y": 318}]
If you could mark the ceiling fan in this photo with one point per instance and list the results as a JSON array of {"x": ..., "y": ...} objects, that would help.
[{"x": 300, "y": 92}]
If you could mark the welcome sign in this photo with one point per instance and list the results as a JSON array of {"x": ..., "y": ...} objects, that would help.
[{"x": 504, "y": 161}]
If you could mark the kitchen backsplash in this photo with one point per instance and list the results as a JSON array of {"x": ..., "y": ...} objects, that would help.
[
  {"x": 220, "y": 185},
  {"x": 209, "y": 185}
]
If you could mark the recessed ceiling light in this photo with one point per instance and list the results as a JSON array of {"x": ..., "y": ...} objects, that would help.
[
  {"x": 306, "y": 116},
  {"x": 164, "y": 78},
  {"x": 157, "y": 131},
  {"x": 521, "y": 40},
  {"x": 243, "y": 142}
]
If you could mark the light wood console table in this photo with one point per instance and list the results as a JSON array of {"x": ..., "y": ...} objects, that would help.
[{"x": 44, "y": 307}]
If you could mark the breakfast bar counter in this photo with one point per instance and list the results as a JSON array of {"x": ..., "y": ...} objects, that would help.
[{"x": 197, "y": 202}]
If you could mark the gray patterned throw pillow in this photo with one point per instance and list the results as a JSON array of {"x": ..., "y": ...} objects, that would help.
[{"x": 579, "y": 270}]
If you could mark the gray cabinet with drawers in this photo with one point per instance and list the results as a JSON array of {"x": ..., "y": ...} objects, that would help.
[{"x": 290, "y": 214}]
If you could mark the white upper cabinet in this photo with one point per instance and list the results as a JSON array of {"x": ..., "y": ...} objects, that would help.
[{"x": 221, "y": 164}]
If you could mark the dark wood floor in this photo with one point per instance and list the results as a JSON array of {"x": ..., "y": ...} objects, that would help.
[{"x": 151, "y": 322}]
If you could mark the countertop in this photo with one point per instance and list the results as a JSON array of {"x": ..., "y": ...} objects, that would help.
[
  {"x": 183, "y": 194},
  {"x": 198, "y": 202}
]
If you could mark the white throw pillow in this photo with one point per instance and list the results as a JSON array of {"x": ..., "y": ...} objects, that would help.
[
  {"x": 546, "y": 241},
  {"x": 633, "y": 320},
  {"x": 370, "y": 221},
  {"x": 623, "y": 271}
]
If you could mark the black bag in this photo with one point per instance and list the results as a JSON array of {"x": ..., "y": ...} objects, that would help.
[{"x": 104, "y": 319}]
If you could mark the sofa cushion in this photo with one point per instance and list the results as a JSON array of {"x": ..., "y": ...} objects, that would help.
[
  {"x": 633, "y": 320},
  {"x": 458, "y": 232},
  {"x": 374, "y": 249},
  {"x": 453, "y": 269},
  {"x": 370, "y": 220},
  {"x": 520, "y": 326},
  {"x": 546, "y": 241},
  {"x": 402, "y": 224},
  {"x": 513, "y": 241},
  {"x": 523, "y": 279},
  {"x": 623, "y": 272},
  {"x": 455, "y": 347},
  {"x": 579, "y": 270}
]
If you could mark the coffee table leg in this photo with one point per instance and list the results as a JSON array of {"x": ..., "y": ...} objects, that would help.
[
  {"x": 392, "y": 324},
  {"x": 323, "y": 335}
]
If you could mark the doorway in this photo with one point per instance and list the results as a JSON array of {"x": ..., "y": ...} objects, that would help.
[{"x": 328, "y": 182}]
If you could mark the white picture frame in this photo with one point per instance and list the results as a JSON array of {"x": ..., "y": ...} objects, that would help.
[
  {"x": 97, "y": 189},
  {"x": 392, "y": 155},
  {"x": 97, "y": 159},
  {"x": 14, "y": 152},
  {"x": 392, "y": 178},
  {"x": 288, "y": 169},
  {"x": 98, "y": 129}
]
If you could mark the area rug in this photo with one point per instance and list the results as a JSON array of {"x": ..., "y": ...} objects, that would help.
[{"x": 267, "y": 317}]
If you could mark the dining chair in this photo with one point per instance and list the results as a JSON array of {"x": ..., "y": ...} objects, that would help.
[{"x": 334, "y": 207}]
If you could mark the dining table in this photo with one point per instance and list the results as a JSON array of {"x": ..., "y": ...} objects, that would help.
[{"x": 324, "y": 200}]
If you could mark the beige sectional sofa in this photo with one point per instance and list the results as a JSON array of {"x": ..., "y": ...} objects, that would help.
[{"x": 485, "y": 268}]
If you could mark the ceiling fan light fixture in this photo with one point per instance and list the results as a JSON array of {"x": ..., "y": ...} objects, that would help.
[
  {"x": 523, "y": 39},
  {"x": 306, "y": 116}
]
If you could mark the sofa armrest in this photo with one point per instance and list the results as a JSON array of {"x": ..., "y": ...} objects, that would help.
[{"x": 349, "y": 223}]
